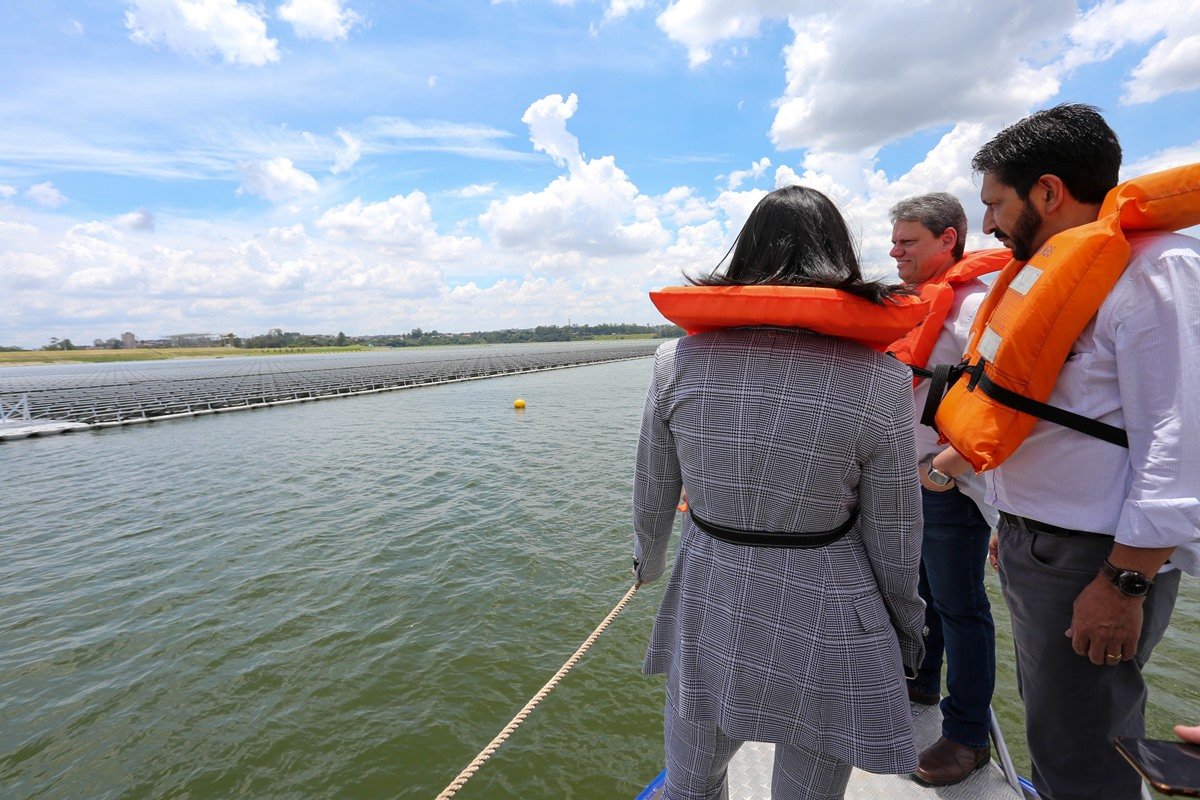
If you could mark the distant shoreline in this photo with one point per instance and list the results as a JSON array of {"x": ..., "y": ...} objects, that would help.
[{"x": 38, "y": 358}]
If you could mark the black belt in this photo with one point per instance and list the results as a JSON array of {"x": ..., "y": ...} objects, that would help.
[
  {"x": 773, "y": 539},
  {"x": 1033, "y": 526}
]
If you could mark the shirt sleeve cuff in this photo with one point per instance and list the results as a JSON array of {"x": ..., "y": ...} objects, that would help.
[{"x": 1171, "y": 522}]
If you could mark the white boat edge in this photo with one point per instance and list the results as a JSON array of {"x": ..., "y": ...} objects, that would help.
[{"x": 750, "y": 774}]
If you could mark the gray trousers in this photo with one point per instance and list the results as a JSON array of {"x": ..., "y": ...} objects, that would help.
[
  {"x": 1073, "y": 708},
  {"x": 698, "y": 756}
]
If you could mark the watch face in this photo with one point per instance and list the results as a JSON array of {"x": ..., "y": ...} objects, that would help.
[
  {"x": 937, "y": 477},
  {"x": 1133, "y": 583}
]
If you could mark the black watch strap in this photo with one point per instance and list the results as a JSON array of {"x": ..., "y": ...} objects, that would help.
[{"x": 1128, "y": 581}]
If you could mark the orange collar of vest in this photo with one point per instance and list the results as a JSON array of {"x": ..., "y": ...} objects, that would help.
[{"x": 697, "y": 309}]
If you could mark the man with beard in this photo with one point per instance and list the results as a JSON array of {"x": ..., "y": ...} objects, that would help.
[{"x": 1087, "y": 527}]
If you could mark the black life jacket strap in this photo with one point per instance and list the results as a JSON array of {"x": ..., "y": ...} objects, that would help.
[
  {"x": 941, "y": 379},
  {"x": 944, "y": 376},
  {"x": 773, "y": 539},
  {"x": 1059, "y": 416}
]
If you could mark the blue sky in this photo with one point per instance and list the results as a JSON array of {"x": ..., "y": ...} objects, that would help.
[{"x": 177, "y": 166}]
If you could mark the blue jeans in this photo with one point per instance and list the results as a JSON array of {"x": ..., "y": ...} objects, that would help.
[{"x": 957, "y": 615}]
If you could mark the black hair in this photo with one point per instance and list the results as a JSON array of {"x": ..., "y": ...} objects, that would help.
[
  {"x": 1071, "y": 141},
  {"x": 795, "y": 236},
  {"x": 936, "y": 211}
]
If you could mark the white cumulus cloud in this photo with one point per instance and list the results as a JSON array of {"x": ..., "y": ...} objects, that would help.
[
  {"x": 757, "y": 170},
  {"x": 1171, "y": 65},
  {"x": 400, "y": 220},
  {"x": 276, "y": 180},
  {"x": 699, "y": 24},
  {"x": 45, "y": 194},
  {"x": 27, "y": 273},
  {"x": 475, "y": 190},
  {"x": 6, "y": 190},
  {"x": 140, "y": 220},
  {"x": 290, "y": 233},
  {"x": 349, "y": 155},
  {"x": 547, "y": 121},
  {"x": 846, "y": 62},
  {"x": 682, "y": 205},
  {"x": 849, "y": 61},
  {"x": 1164, "y": 159},
  {"x": 619, "y": 8},
  {"x": 199, "y": 28},
  {"x": 403, "y": 221},
  {"x": 11, "y": 229},
  {"x": 594, "y": 209},
  {"x": 329, "y": 20}
]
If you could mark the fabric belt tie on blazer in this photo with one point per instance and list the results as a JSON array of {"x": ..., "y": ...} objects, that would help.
[
  {"x": 772, "y": 538},
  {"x": 1033, "y": 526}
]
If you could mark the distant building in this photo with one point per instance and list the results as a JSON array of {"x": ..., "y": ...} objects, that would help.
[
  {"x": 128, "y": 340},
  {"x": 193, "y": 340}
]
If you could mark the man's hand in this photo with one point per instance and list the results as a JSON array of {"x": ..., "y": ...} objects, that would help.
[
  {"x": 1106, "y": 624},
  {"x": 994, "y": 550}
]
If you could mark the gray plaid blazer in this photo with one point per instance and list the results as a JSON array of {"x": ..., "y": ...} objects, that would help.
[{"x": 778, "y": 429}]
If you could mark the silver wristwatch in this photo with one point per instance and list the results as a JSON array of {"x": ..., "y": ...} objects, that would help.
[{"x": 938, "y": 478}]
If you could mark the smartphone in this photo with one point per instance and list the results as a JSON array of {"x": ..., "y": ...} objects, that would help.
[{"x": 1169, "y": 767}]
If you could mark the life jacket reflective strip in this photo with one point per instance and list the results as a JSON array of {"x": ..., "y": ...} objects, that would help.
[
  {"x": 1035, "y": 311},
  {"x": 915, "y": 347},
  {"x": 833, "y": 312}
]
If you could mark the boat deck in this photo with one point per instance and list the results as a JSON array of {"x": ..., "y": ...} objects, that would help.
[{"x": 750, "y": 774}]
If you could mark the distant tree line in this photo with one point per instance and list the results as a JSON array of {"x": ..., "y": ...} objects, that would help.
[
  {"x": 542, "y": 333},
  {"x": 60, "y": 344},
  {"x": 277, "y": 338}
]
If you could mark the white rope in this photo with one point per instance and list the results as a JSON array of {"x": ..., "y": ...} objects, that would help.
[{"x": 487, "y": 752}]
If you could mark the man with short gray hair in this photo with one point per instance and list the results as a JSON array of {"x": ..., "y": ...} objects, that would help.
[{"x": 928, "y": 241}]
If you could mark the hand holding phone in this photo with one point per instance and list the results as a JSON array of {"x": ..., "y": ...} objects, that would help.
[{"x": 1172, "y": 768}]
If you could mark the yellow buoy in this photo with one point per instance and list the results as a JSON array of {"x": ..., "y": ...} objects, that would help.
[{"x": 518, "y": 403}]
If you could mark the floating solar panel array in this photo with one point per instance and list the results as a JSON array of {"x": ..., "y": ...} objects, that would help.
[{"x": 133, "y": 392}]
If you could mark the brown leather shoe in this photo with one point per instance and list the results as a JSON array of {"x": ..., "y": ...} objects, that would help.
[{"x": 945, "y": 762}]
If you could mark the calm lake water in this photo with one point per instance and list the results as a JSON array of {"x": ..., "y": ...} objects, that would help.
[{"x": 350, "y": 599}]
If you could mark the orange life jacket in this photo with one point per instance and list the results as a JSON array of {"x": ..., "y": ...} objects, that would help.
[
  {"x": 829, "y": 311},
  {"x": 915, "y": 347},
  {"x": 1036, "y": 310}
]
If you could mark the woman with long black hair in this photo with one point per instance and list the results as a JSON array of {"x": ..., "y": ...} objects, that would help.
[{"x": 791, "y": 613}]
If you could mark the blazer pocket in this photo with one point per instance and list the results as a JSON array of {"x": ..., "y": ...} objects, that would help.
[{"x": 871, "y": 614}]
